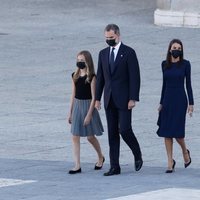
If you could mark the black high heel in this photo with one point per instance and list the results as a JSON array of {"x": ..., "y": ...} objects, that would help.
[
  {"x": 173, "y": 168},
  {"x": 187, "y": 164},
  {"x": 75, "y": 171},
  {"x": 99, "y": 167}
]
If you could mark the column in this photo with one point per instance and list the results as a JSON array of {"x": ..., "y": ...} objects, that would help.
[{"x": 178, "y": 13}]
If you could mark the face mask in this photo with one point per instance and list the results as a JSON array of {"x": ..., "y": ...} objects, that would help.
[
  {"x": 176, "y": 53},
  {"x": 81, "y": 65},
  {"x": 111, "y": 42}
]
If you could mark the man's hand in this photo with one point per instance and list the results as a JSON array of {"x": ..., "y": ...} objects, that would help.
[
  {"x": 98, "y": 105},
  {"x": 131, "y": 104}
]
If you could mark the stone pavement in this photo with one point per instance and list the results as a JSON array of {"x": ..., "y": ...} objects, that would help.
[{"x": 39, "y": 40}]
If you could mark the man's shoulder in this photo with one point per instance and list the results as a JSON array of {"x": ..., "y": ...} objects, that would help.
[
  {"x": 103, "y": 51},
  {"x": 127, "y": 48}
]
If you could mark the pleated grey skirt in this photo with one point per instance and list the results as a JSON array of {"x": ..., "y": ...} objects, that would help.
[{"x": 79, "y": 112}]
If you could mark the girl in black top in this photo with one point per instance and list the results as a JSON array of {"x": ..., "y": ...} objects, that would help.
[{"x": 83, "y": 117}]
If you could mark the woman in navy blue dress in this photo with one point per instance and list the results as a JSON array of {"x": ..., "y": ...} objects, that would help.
[{"x": 174, "y": 103}]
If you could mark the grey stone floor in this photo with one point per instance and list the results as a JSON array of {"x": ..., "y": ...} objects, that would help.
[{"x": 39, "y": 40}]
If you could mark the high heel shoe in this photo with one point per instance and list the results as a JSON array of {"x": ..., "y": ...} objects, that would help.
[
  {"x": 75, "y": 171},
  {"x": 99, "y": 167},
  {"x": 188, "y": 163},
  {"x": 173, "y": 168}
]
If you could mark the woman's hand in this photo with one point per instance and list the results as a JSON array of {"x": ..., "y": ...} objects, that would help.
[
  {"x": 190, "y": 110},
  {"x": 159, "y": 108}
]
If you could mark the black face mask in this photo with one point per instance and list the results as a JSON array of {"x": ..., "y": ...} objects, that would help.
[
  {"x": 176, "y": 53},
  {"x": 111, "y": 42},
  {"x": 81, "y": 65}
]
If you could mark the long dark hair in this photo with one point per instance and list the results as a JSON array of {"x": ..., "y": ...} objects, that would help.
[
  {"x": 89, "y": 66},
  {"x": 168, "y": 57}
]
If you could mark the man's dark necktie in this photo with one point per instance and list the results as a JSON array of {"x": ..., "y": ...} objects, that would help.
[{"x": 112, "y": 60}]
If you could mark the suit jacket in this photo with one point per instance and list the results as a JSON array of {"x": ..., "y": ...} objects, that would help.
[{"x": 124, "y": 83}]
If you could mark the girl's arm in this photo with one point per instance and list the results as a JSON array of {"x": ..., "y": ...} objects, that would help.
[
  {"x": 91, "y": 108},
  {"x": 71, "y": 102}
]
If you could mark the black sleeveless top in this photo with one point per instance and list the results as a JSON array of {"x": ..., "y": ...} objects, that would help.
[{"x": 83, "y": 88}]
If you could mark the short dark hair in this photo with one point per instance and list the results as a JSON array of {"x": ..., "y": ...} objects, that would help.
[{"x": 113, "y": 27}]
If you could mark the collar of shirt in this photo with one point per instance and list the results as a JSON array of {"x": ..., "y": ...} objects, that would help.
[{"x": 116, "y": 49}]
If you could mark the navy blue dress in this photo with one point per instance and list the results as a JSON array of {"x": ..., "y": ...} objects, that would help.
[{"x": 174, "y": 101}]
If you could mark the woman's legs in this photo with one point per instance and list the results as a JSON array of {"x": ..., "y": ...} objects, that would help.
[
  {"x": 186, "y": 156},
  {"x": 76, "y": 151},
  {"x": 169, "y": 149},
  {"x": 95, "y": 143}
]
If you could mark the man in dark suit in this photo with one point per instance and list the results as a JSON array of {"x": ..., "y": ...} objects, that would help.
[{"x": 118, "y": 75}]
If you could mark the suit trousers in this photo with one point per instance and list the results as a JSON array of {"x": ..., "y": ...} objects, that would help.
[{"x": 119, "y": 122}]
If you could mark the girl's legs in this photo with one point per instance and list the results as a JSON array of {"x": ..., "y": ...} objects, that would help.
[
  {"x": 76, "y": 151},
  {"x": 186, "y": 156},
  {"x": 95, "y": 143},
  {"x": 169, "y": 149}
]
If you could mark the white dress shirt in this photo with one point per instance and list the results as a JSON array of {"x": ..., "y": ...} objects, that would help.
[{"x": 115, "y": 50}]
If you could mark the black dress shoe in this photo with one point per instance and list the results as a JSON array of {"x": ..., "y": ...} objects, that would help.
[
  {"x": 113, "y": 171},
  {"x": 75, "y": 171},
  {"x": 173, "y": 168},
  {"x": 138, "y": 164},
  {"x": 187, "y": 164},
  {"x": 99, "y": 167}
]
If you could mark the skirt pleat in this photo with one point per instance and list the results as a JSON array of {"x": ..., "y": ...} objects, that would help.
[{"x": 79, "y": 112}]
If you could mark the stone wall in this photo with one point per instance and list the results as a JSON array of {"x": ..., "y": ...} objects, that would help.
[{"x": 177, "y": 13}]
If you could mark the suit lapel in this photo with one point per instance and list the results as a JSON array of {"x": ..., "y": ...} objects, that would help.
[
  {"x": 119, "y": 56},
  {"x": 107, "y": 55}
]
